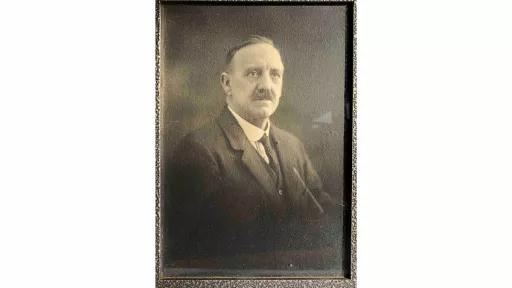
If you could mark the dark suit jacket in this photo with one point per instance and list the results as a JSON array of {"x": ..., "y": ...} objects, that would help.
[{"x": 221, "y": 201}]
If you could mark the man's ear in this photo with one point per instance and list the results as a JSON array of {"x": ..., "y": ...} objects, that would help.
[{"x": 225, "y": 82}]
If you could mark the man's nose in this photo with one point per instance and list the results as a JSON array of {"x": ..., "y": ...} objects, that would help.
[{"x": 265, "y": 82}]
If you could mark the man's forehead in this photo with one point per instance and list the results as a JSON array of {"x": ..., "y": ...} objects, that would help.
[{"x": 257, "y": 55}]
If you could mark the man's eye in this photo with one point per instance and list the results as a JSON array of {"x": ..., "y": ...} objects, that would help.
[
  {"x": 276, "y": 75},
  {"x": 253, "y": 74}
]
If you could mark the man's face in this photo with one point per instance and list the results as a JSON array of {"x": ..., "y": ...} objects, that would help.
[{"x": 254, "y": 82}]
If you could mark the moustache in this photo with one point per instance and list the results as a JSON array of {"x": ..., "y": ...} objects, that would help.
[{"x": 263, "y": 95}]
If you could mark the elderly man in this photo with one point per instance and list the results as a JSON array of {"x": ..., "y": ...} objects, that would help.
[{"x": 242, "y": 189}]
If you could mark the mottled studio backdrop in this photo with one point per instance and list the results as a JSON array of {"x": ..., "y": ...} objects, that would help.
[{"x": 195, "y": 40}]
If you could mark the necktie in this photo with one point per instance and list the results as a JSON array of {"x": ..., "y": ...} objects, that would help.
[{"x": 268, "y": 150}]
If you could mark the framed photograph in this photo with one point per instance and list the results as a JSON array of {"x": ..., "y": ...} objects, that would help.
[{"x": 255, "y": 146}]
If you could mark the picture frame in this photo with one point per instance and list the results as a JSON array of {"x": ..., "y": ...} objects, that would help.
[{"x": 341, "y": 120}]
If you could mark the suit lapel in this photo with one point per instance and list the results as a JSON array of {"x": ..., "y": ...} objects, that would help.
[
  {"x": 250, "y": 157},
  {"x": 257, "y": 168},
  {"x": 287, "y": 162}
]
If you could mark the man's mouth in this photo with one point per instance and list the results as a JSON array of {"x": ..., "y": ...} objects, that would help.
[
  {"x": 263, "y": 98},
  {"x": 263, "y": 101}
]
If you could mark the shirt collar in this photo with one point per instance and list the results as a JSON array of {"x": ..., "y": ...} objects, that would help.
[{"x": 253, "y": 133}]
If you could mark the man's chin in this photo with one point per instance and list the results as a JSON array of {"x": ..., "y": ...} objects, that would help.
[
  {"x": 262, "y": 112},
  {"x": 263, "y": 106}
]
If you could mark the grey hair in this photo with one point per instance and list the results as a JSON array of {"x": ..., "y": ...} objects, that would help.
[{"x": 253, "y": 39}]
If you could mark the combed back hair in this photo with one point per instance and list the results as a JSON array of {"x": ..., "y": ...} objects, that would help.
[{"x": 253, "y": 39}]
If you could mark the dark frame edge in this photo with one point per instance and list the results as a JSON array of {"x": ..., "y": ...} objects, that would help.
[{"x": 157, "y": 144}]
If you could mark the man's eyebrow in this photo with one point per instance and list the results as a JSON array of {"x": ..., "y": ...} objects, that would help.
[
  {"x": 255, "y": 67},
  {"x": 260, "y": 68}
]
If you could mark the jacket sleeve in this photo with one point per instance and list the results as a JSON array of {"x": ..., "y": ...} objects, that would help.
[
  {"x": 317, "y": 229},
  {"x": 314, "y": 183},
  {"x": 194, "y": 175}
]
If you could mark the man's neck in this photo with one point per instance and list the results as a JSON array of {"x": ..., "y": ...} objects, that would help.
[
  {"x": 260, "y": 123},
  {"x": 252, "y": 131}
]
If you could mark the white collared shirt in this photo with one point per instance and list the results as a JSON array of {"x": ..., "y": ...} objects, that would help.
[{"x": 253, "y": 133}]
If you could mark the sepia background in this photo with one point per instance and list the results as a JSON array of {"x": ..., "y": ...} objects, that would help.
[
  {"x": 195, "y": 40},
  {"x": 312, "y": 42}
]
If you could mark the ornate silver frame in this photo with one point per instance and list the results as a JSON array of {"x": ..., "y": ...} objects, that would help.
[{"x": 350, "y": 281}]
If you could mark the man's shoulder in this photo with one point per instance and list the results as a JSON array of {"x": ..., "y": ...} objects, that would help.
[
  {"x": 287, "y": 138},
  {"x": 206, "y": 135},
  {"x": 284, "y": 133}
]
